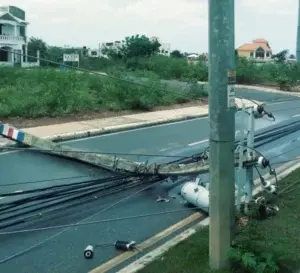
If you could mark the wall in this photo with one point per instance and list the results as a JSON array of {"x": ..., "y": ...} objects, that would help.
[
  {"x": 244, "y": 53},
  {"x": 165, "y": 49}
]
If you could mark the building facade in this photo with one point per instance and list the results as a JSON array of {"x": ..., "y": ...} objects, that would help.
[
  {"x": 259, "y": 50},
  {"x": 13, "y": 37},
  {"x": 164, "y": 49},
  {"x": 108, "y": 45}
]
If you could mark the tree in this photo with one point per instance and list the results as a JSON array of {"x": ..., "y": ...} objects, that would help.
[
  {"x": 139, "y": 46},
  {"x": 34, "y": 45},
  {"x": 281, "y": 56},
  {"x": 55, "y": 54},
  {"x": 112, "y": 53},
  {"x": 176, "y": 54},
  {"x": 133, "y": 46}
]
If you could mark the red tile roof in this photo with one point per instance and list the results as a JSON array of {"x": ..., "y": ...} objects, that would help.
[{"x": 255, "y": 45}]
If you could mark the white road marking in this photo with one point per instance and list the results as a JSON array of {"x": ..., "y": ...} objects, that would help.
[
  {"x": 198, "y": 142},
  {"x": 12, "y": 192},
  {"x": 294, "y": 116},
  {"x": 163, "y": 150},
  {"x": 280, "y": 102},
  {"x": 9, "y": 152}
]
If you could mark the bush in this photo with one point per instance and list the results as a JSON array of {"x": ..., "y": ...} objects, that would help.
[
  {"x": 169, "y": 68},
  {"x": 283, "y": 75},
  {"x": 49, "y": 92}
]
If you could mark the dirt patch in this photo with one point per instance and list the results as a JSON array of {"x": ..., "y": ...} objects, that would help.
[{"x": 20, "y": 122}]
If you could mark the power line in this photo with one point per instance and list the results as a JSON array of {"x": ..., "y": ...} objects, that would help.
[
  {"x": 284, "y": 190},
  {"x": 51, "y": 180},
  {"x": 97, "y": 222},
  {"x": 287, "y": 161},
  {"x": 101, "y": 152},
  {"x": 98, "y": 74},
  {"x": 286, "y": 109},
  {"x": 67, "y": 227},
  {"x": 109, "y": 76},
  {"x": 48, "y": 209},
  {"x": 64, "y": 192},
  {"x": 288, "y": 151},
  {"x": 71, "y": 185},
  {"x": 292, "y": 98}
]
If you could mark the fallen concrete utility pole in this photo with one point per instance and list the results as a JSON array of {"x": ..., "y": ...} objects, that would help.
[{"x": 112, "y": 163}]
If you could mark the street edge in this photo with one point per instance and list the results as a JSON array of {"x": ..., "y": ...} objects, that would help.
[
  {"x": 262, "y": 88},
  {"x": 159, "y": 251},
  {"x": 109, "y": 130},
  {"x": 120, "y": 128}
]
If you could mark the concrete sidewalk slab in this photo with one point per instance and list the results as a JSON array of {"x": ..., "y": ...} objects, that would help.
[{"x": 73, "y": 130}]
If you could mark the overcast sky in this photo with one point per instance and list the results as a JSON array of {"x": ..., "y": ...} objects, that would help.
[{"x": 182, "y": 23}]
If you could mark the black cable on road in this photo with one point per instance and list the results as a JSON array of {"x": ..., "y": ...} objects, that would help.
[
  {"x": 44, "y": 196},
  {"x": 274, "y": 136},
  {"x": 69, "y": 185},
  {"x": 63, "y": 208},
  {"x": 54, "y": 179}
]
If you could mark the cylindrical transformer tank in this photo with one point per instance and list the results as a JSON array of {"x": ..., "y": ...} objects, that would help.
[{"x": 196, "y": 195}]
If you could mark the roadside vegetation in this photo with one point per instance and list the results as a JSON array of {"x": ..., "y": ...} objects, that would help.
[
  {"x": 261, "y": 245},
  {"x": 50, "y": 92}
]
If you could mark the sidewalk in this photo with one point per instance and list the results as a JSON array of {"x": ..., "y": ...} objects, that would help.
[{"x": 72, "y": 130}]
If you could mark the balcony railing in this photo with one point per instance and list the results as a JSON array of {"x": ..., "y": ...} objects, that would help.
[{"x": 11, "y": 38}]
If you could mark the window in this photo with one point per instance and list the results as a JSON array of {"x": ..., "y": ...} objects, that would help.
[
  {"x": 268, "y": 54},
  {"x": 94, "y": 53},
  {"x": 251, "y": 54},
  {"x": 260, "y": 53}
]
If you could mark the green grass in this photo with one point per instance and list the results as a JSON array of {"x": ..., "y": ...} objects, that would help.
[
  {"x": 277, "y": 236},
  {"x": 189, "y": 256},
  {"x": 51, "y": 93}
]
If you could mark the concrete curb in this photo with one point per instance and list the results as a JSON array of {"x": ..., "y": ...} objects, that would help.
[
  {"x": 120, "y": 128},
  {"x": 109, "y": 130},
  {"x": 113, "y": 129},
  {"x": 264, "y": 89},
  {"x": 159, "y": 251}
]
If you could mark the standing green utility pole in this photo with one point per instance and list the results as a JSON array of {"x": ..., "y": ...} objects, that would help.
[
  {"x": 298, "y": 35},
  {"x": 222, "y": 129}
]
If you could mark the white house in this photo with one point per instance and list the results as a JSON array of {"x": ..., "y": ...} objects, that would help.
[
  {"x": 164, "y": 49},
  {"x": 108, "y": 45},
  {"x": 13, "y": 37}
]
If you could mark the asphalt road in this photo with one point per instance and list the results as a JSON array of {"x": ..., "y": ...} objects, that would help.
[{"x": 64, "y": 253}]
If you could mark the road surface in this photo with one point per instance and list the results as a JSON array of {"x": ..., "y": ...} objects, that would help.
[{"x": 64, "y": 253}]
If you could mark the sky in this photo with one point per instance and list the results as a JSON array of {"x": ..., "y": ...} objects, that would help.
[{"x": 182, "y": 23}]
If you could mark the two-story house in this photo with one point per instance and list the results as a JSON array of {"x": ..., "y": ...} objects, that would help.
[
  {"x": 13, "y": 40},
  {"x": 259, "y": 50}
]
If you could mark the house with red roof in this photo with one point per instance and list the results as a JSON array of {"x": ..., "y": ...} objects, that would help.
[{"x": 259, "y": 50}]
